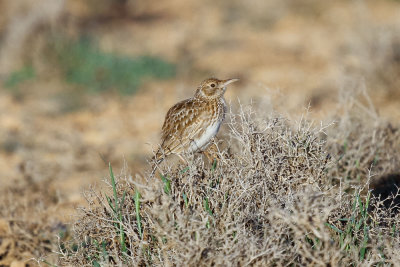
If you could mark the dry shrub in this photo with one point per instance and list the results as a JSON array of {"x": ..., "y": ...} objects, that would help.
[
  {"x": 272, "y": 198},
  {"x": 361, "y": 141},
  {"x": 27, "y": 229}
]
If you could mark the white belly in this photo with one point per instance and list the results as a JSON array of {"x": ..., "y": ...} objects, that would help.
[{"x": 210, "y": 132}]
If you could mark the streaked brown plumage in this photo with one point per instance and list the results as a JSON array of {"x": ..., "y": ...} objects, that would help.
[{"x": 190, "y": 124}]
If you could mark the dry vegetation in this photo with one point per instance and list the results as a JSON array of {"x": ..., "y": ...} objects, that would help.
[
  {"x": 84, "y": 83},
  {"x": 28, "y": 225},
  {"x": 280, "y": 193}
]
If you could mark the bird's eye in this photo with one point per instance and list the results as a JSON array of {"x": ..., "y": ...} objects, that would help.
[{"x": 213, "y": 85}]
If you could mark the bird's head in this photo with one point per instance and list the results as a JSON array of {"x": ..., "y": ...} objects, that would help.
[{"x": 213, "y": 88}]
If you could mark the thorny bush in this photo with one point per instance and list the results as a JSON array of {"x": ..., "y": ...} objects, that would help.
[{"x": 279, "y": 194}]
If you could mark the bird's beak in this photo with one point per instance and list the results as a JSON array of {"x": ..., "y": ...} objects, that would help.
[{"x": 228, "y": 81}]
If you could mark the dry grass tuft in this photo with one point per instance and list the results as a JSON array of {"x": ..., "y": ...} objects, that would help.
[
  {"x": 28, "y": 231},
  {"x": 279, "y": 194},
  {"x": 361, "y": 141}
]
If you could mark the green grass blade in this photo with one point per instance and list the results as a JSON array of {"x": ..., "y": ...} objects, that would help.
[
  {"x": 117, "y": 210},
  {"x": 104, "y": 250},
  {"x": 137, "y": 208},
  {"x": 114, "y": 187},
  {"x": 364, "y": 244},
  {"x": 207, "y": 206},
  {"x": 334, "y": 228},
  {"x": 185, "y": 199},
  {"x": 122, "y": 237},
  {"x": 111, "y": 205},
  {"x": 358, "y": 225},
  {"x": 214, "y": 166},
  {"x": 167, "y": 184},
  {"x": 185, "y": 170}
]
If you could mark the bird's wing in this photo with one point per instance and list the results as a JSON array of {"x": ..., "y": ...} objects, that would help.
[{"x": 182, "y": 124}]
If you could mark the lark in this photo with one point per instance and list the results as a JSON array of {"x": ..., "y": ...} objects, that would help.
[{"x": 191, "y": 124}]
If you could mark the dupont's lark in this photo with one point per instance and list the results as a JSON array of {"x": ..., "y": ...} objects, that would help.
[{"x": 190, "y": 124}]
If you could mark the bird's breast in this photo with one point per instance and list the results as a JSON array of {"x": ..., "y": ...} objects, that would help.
[
  {"x": 205, "y": 136},
  {"x": 213, "y": 120}
]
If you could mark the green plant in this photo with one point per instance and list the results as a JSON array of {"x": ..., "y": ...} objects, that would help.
[
  {"x": 16, "y": 78},
  {"x": 14, "y": 81},
  {"x": 356, "y": 226},
  {"x": 84, "y": 64},
  {"x": 137, "y": 208},
  {"x": 117, "y": 210},
  {"x": 167, "y": 184}
]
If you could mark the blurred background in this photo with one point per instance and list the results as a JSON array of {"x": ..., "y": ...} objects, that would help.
[{"x": 84, "y": 83}]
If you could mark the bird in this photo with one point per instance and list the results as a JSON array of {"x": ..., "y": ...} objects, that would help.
[{"x": 191, "y": 124}]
